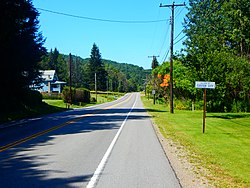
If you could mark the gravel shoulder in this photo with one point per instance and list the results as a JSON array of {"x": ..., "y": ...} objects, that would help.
[{"x": 189, "y": 175}]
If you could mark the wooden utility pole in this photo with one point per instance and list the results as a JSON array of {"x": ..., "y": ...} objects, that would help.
[
  {"x": 70, "y": 79},
  {"x": 171, "y": 53},
  {"x": 95, "y": 88},
  {"x": 153, "y": 92}
]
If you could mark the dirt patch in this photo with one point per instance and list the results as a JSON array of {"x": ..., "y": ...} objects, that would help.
[{"x": 189, "y": 175}]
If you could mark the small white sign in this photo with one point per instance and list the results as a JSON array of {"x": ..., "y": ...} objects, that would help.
[
  {"x": 153, "y": 92},
  {"x": 206, "y": 85}
]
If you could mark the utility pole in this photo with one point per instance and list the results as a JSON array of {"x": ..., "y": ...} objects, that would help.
[
  {"x": 70, "y": 79},
  {"x": 171, "y": 53},
  {"x": 153, "y": 92},
  {"x": 95, "y": 88}
]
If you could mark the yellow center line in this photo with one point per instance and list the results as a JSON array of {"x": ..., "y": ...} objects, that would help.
[{"x": 18, "y": 142}]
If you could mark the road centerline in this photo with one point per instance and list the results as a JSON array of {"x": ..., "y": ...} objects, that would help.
[{"x": 30, "y": 137}]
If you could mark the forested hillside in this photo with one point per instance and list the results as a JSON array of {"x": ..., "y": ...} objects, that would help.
[{"x": 120, "y": 77}]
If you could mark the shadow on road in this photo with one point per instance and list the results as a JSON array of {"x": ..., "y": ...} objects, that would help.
[{"x": 18, "y": 168}]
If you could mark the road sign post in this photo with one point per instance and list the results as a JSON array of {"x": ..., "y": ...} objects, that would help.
[
  {"x": 205, "y": 86},
  {"x": 153, "y": 92},
  {"x": 204, "y": 109}
]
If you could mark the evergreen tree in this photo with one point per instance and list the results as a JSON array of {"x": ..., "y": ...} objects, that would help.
[
  {"x": 154, "y": 63},
  {"x": 53, "y": 59},
  {"x": 95, "y": 65},
  {"x": 21, "y": 47}
]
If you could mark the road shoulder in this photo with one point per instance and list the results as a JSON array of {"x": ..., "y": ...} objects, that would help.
[{"x": 189, "y": 175}]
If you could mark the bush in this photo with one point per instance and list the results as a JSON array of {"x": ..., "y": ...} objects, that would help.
[
  {"x": 52, "y": 95},
  {"x": 66, "y": 94},
  {"x": 78, "y": 95},
  {"x": 181, "y": 105},
  {"x": 32, "y": 98},
  {"x": 93, "y": 99},
  {"x": 82, "y": 95}
]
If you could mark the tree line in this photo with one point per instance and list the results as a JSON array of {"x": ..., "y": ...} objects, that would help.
[
  {"x": 217, "y": 49},
  {"x": 23, "y": 56},
  {"x": 111, "y": 76},
  {"x": 21, "y": 48}
]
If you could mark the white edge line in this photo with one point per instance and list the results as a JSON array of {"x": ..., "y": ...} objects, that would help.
[{"x": 101, "y": 165}]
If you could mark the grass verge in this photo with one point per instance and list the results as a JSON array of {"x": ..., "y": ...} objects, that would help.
[
  {"x": 54, "y": 105},
  {"x": 224, "y": 149},
  {"x": 101, "y": 98}
]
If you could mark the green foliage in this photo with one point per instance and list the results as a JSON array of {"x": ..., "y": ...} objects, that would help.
[
  {"x": 120, "y": 77},
  {"x": 52, "y": 96},
  {"x": 21, "y": 48},
  {"x": 31, "y": 98},
  {"x": 218, "y": 50},
  {"x": 223, "y": 149},
  {"x": 67, "y": 96},
  {"x": 78, "y": 95},
  {"x": 82, "y": 95},
  {"x": 55, "y": 61},
  {"x": 134, "y": 75},
  {"x": 155, "y": 63},
  {"x": 96, "y": 66}
]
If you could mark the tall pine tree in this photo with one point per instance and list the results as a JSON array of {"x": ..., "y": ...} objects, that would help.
[
  {"x": 95, "y": 65},
  {"x": 21, "y": 48}
]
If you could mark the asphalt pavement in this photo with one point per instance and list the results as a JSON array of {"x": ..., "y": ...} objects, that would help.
[{"x": 106, "y": 146}]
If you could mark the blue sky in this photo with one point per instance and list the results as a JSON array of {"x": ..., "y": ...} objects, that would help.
[{"x": 121, "y": 42}]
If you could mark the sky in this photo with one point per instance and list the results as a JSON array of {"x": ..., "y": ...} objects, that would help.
[{"x": 118, "y": 41}]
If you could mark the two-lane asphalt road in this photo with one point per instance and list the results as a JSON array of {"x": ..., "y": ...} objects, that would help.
[{"x": 108, "y": 146}]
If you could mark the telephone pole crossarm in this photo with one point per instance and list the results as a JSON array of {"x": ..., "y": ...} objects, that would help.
[{"x": 173, "y": 5}]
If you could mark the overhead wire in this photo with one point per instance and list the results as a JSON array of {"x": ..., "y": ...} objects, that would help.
[
  {"x": 103, "y": 20},
  {"x": 165, "y": 56},
  {"x": 155, "y": 31},
  {"x": 164, "y": 39}
]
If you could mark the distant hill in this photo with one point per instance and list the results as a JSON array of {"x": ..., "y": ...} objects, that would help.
[{"x": 134, "y": 74}]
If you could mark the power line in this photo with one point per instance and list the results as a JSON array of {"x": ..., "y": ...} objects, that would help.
[
  {"x": 178, "y": 34},
  {"x": 165, "y": 57},
  {"x": 164, "y": 40},
  {"x": 177, "y": 14},
  {"x": 103, "y": 20},
  {"x": 180, "y": 39}
]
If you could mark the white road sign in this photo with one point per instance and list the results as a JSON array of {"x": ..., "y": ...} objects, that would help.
[{"x": 206, "y": 85}]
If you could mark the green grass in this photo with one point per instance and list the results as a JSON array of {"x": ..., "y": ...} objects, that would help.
[
  {"x": 224, "y": 149},
  {"x": 61, "y": 104},
  {"x": 27, "y": 112},
  {"x": 54, "y": 105},
  {"x": 101, "y": 98}
]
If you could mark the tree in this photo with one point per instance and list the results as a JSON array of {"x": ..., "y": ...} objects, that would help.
[
  {"x": 95, "y": 65},
  {"x": 154, "y": 63},
  {"x": 55, "y": 61},
  {"x": 21, "y": 48},
  {"x": 217, "y": 40}
]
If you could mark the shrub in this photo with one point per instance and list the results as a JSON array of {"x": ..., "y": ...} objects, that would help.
[
  {"x": 66, "y": 94},
  {"x": 52, "y": 95},
  {"x": 82, "y": 95},
  {"x": 78, "y": 95},
  {"x": 32, "y": 97},
  {"x": 93, "y": 99}
]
